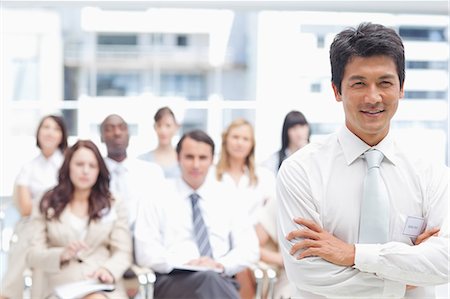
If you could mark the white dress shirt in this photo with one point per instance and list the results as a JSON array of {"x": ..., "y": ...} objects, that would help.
[
  {"x": 164, "y": 235},
  {"x": 139, "y": 181},
  {"x": 40, "y": 174},
  {"x": 252, "y": 197},
  {"x": 324, "y": 182}
]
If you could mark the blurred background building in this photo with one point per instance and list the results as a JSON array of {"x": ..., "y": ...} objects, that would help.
[{"x": 210, "y": 62}]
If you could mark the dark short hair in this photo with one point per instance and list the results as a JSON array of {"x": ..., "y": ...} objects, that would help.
[
  {"x": 366, "y": 40},
  {"x": 102, "y": 125},
  {"x": 163, "y": 111},
  {"x": 197, "y": 135},
  {"x": 62, "y": 126}
]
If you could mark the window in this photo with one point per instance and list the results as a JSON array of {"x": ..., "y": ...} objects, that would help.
[
  {"x": 194, "y": 119},
  {"x": 190, "y": 86},
  {"x": 315, "y": 87},
  {"x": 182, "y": 40},
  {"x": 118, "y": 84},
  {"x": 71, "y": 83},
  {"x": 320, "y": 41},
  {"x": 122, "y": 39},
  {"x": 436, "y": 65},
  {"x": 423, "y": 34},
  {"x": 71, "y": 120},
  {"x": 428, "y": 94},
  {"x": 25, "y": 74}
]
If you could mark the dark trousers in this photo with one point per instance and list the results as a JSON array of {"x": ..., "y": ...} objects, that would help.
[{"x": 195, "y": 285}]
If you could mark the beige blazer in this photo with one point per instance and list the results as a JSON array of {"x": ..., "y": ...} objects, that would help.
[{"x": 108, "y": 239}]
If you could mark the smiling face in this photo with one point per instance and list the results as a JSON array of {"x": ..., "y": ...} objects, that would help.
[
  {"x": 84, "y": 169},
  {"x": 370, "y": 93}
]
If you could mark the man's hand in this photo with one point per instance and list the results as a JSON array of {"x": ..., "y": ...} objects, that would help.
[
  {"x": 206, "y": 261},
  {"x": 318, "y": 242},
  {"x": 426, "y": 235}
]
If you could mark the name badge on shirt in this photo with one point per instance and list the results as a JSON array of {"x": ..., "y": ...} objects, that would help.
[{"x": 414, "y": 226}]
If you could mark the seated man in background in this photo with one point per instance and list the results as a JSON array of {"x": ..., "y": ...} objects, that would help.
[
  {"x": 194, "y": 226},
  {"x": 131, "y": 179}
]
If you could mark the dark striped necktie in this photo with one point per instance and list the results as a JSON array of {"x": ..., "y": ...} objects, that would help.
[{"x": 200, "y": 230}]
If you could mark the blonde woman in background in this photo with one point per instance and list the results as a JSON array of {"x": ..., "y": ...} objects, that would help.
[
  {"x": 164, "y": 154},
  {"x": 254, "y": 185},
  {"x": 35, "y": 177}
]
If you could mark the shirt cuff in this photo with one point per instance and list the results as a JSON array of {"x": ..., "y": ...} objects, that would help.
[
  {"x": 367, "y": 260},
  {"x": 367, "y": 257},
  {"x": 230, "y": 267}
]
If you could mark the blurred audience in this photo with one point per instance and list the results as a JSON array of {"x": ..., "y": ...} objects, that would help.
[
  {"x": 164, "y": 154},
  {"x": 196, "y": 225},
  {"x": 35, "y": 177},
  {"x": 81, "y": 231}
]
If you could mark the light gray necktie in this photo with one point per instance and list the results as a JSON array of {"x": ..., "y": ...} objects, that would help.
[
  {"x": 374, "y": 217},
  {"x": 200, "y": 230}
]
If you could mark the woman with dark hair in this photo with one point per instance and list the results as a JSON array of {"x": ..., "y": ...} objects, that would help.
[
  {"x": 35, "y": 177},
  {"x": 164, "y": 154},
  {"x": 295, "y": 135},
  {"x": 81, "y": 231}
]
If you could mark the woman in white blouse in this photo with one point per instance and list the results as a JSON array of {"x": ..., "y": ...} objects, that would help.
[
  {"x": 35, "y": 177},
  {"x": 81, "y": 231},
  {"x": 237, "y": 168},
  {"x": 164, "y": 154},
  {"x": 254, "y": 185}
]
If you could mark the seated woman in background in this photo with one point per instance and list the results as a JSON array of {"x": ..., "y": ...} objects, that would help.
[
  {"x": 294, "y": 135},
  {"x": 164, "y": 154},
  {"x": 254, "y": 185},
  {"x": 237, "y": 168},
  {"x": 35, "y": 177},
  {"x": 82, "y": 231}
]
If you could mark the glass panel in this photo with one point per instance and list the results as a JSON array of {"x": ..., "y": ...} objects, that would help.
[
  {"x": 194, "y": 119},
  {"x": 71, "y": 120},
  {"x": 230, "y": 115},
  {"x": 118, "y": 84},
  {"x": 107, "y": 39},
  {"x": 190, "y": 86},
  {"x": 25, "y": 73},
  {"x": 71, "y": 83}
]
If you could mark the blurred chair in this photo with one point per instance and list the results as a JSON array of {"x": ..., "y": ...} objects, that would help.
[
  {"x": 265, "y": 277},
  {"x": 145, "y": 277}
]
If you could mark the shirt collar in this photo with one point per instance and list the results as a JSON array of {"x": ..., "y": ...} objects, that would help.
[
  {"x": 186, "y": 190},
  {"x": 56, "y": 158},
  {"x": 353, "y": 147},
  {"x": 113, "y": 164}
]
